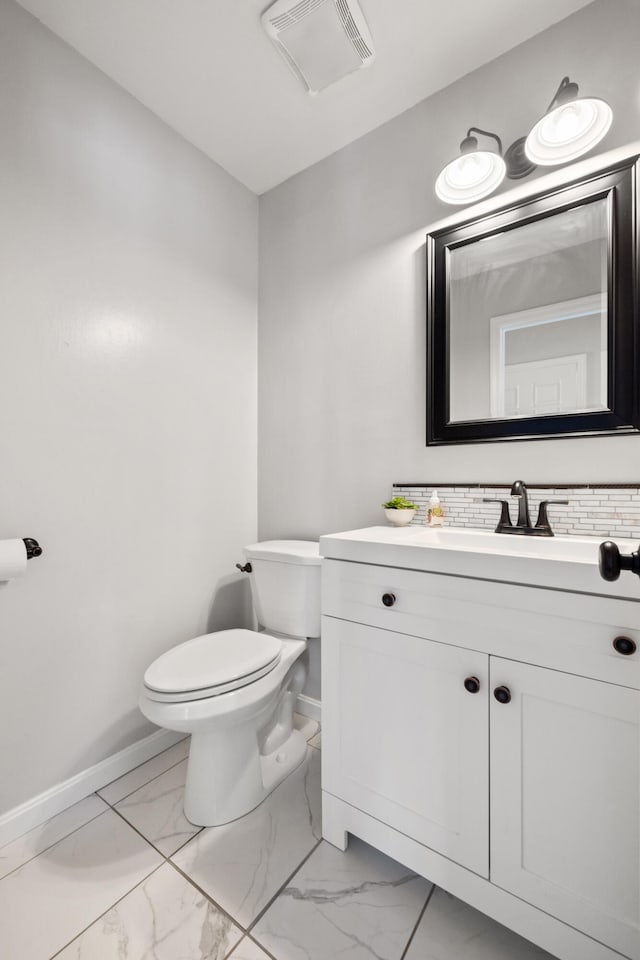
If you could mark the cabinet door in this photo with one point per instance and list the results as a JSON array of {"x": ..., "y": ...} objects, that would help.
[
  {"x": 403, "y": 740},
  {"x": 565, "y": 808}
]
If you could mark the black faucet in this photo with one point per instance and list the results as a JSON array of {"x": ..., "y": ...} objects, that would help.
[
  {"x": 523, "y": 526},
  {"x": 519, "y": 490}
]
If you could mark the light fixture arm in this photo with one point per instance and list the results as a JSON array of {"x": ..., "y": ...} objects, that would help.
[
  {"x": 517, "y": 164},
  {"x": 565, "y": 92},
  {"x": 470, "y": 142}
]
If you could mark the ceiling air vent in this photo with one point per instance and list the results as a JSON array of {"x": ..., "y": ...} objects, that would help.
[{"x": 321, "y": 40}]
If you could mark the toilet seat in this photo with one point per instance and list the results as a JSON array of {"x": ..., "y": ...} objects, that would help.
[{"x": 212, "y": 664}]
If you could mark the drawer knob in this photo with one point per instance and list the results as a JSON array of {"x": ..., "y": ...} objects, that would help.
[
  {"x": 502, "y": 694},
  {"x": 388, "y": 599},
  {"x": 472, "y": 684},
  {"x": 624, "y": 645}
]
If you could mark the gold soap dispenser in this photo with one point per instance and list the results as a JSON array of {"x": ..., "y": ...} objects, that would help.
[{"x": 435, "y": 513}]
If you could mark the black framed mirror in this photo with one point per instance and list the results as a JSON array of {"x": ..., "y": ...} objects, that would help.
[{"x": 532, "y": 316}]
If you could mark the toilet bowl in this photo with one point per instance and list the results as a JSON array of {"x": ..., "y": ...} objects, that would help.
[{"x": 235, "y": 691}]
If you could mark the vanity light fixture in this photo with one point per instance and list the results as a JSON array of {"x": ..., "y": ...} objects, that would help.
[
  {"x": 570, "y": 127},
  {"x": 475, "y": 173}
]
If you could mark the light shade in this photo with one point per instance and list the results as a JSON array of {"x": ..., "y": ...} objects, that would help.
[
  {"x": 567, "y": 132},
  {"x": 470, "y": 177}
]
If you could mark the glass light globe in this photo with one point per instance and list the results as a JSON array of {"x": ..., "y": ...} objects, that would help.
[
  {"x": 567, "y": 132},
  {"x": 470, "y": 177}
]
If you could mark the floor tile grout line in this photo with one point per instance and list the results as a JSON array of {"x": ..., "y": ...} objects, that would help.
[
  {"x": 142, "y": 785},
  {"x": 114, "y": 807},
  {"x": 191, "y": 882},
  {"x": 280, "y": 889},
  {"x": 56, "y": 842},
  {"x": 187, "y": 841},
  {"x": 105, "y": 912},
  {"x": 141, "y": 835},
  {"x": 166, "y": 860},
  {"x": 109, "y": 806},
  {"x": 232, "y": 950},
  {"x": 148, "y": 760},
  {"x": 269, "y": 902},
  {"x": 208, "y": 897},
  {"x": 257, "y": 943},
  {"x": 418, "y": 921}
]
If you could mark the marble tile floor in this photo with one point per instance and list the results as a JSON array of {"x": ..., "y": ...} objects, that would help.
[{"x": 122, "y": 875}]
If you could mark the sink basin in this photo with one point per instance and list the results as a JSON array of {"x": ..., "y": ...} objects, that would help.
[
  {"x": 576, "y": 549},
  {"x": 565, "y": 563}
]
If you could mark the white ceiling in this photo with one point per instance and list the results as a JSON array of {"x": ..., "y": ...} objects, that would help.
[{"x": 207, "y": 69}]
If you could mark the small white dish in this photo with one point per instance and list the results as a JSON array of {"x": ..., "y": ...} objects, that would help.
[{"x": 399, "y": 518}]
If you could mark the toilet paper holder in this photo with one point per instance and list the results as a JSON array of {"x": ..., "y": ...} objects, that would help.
[{"x": 32, "y": 547}]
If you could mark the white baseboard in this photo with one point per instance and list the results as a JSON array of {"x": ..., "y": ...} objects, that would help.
[
  {"x": 53, "y": 801},
  {"x": 33, "y": 812},
  {"x": 309, "y": 707}
]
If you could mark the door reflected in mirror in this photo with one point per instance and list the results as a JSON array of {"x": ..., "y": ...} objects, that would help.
[{"x": 528, "y": 319}]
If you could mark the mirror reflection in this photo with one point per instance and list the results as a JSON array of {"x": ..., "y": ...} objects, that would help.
[{"x": 527, "y": 330}]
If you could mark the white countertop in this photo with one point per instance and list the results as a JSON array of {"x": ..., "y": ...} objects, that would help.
[{"x": 561, "y": 563}]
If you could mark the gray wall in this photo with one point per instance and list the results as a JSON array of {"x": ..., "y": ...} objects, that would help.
[
  {"x": 342, "y": 293},
  {"x": 128, "y": 279}
]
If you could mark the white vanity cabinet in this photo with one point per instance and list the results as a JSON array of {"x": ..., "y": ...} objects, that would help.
[
  {"x": 407, "y": 743},
  {"x": 565, "y": 815},
  {"x": 487, "y": 735}
]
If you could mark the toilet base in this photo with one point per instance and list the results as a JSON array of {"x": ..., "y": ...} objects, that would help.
[
  {"x": 227, "y": 777},
  {"x": 242, "y": 741},
  {"x": 278, "y": 765}
]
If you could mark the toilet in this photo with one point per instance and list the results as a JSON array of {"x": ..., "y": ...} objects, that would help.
[{"x": 235, "y": 691}]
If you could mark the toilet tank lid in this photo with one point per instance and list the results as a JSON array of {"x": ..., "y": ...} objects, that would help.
[{"x": 285, "y": 551}]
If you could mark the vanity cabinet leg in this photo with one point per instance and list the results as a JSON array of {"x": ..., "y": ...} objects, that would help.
[{"x": 333, "y": 828}]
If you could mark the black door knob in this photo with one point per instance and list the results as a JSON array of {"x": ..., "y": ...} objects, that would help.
[
  {"x": 471, "y": 684},
  {"x": 502, "y": 694},
  {"x": 388, "y": 599},
  {"x": 611, "y": 561},
  {"x": 625, "y": 645}
]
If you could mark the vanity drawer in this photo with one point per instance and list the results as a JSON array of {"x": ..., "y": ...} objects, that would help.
[{"x": 564, "y": 631}]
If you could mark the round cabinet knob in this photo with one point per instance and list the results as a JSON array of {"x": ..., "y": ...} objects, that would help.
[
  {"x": 609, "y": 561},
  {"x": 388, "y": 599},
  {"x": 471, "y": 684},
  {"x": 625, "y": 645},
  {"x": 502, "y": 694}
]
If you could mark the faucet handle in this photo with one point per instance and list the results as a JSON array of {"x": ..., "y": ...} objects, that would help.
[
  {"x": 505, "y": 517},
  {"x": 543, "y": 518}
]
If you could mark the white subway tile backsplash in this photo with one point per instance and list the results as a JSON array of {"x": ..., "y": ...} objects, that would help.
[{"x": 591, "y": 511}]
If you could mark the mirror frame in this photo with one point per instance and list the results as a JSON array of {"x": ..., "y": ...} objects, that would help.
[{"x": 619, "y": 185}]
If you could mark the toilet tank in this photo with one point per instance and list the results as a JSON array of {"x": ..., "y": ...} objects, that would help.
[{"x": 285, "y": 586}]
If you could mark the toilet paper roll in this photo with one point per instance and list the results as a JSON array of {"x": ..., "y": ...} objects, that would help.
[{"x": 13, "y": 559}]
